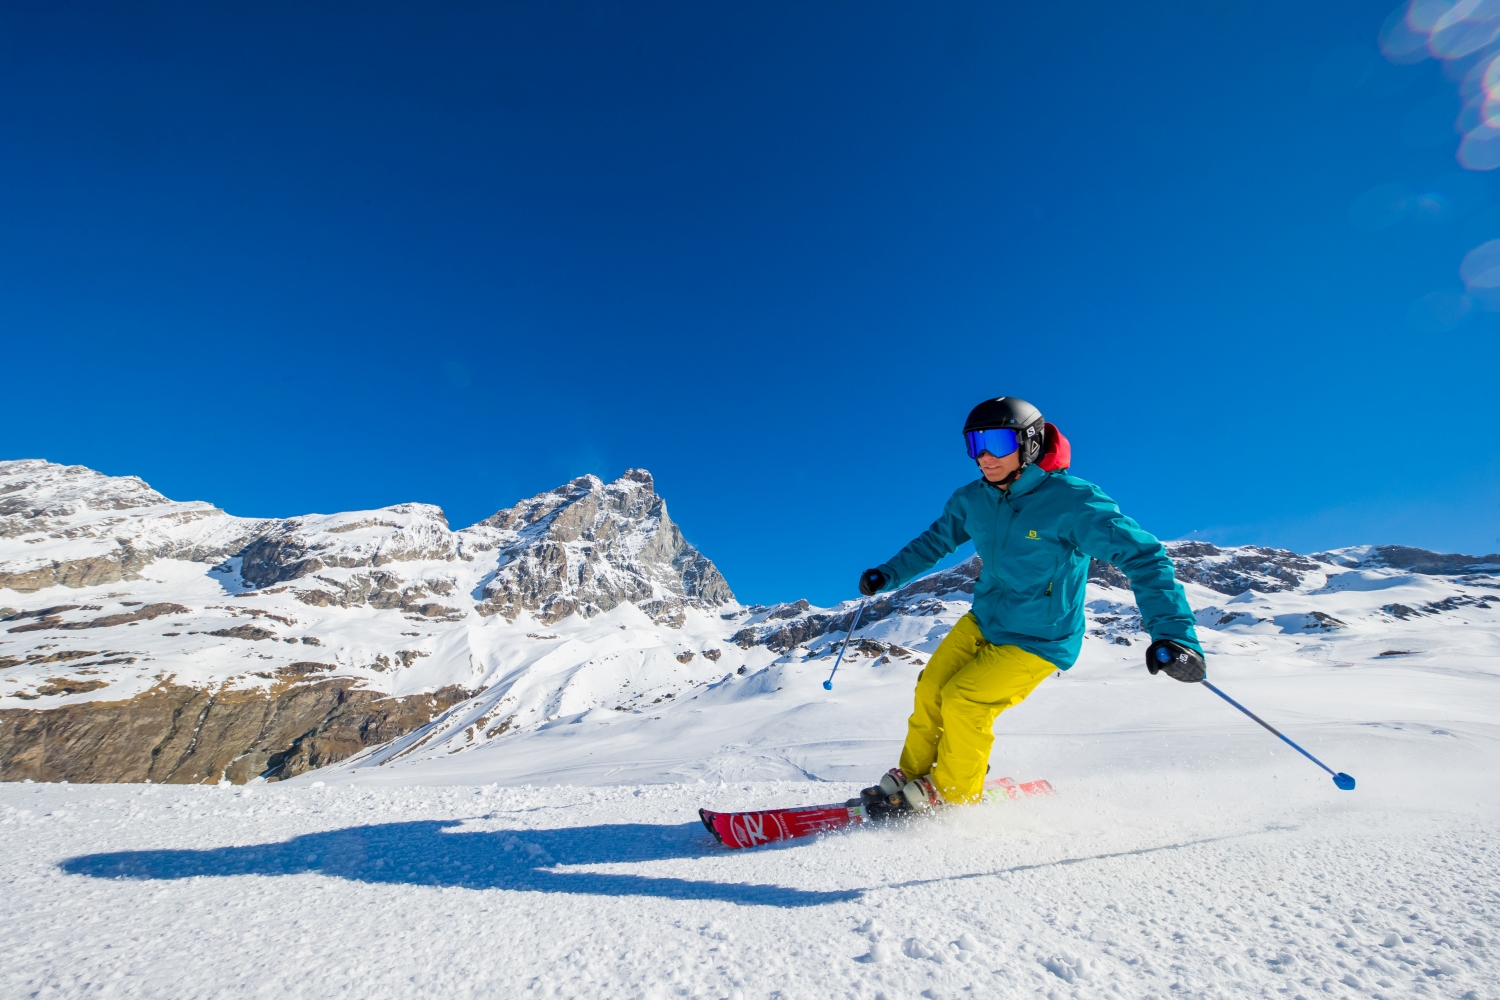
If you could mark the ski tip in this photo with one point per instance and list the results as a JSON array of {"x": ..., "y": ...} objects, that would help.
[
  {"x": 1344, "y": 781},
  {"x": 1006, "y": 788},
  {"x": 708, "y": 822}
]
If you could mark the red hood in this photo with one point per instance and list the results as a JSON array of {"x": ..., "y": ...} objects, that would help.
[{"x": 1057, "y": 454}]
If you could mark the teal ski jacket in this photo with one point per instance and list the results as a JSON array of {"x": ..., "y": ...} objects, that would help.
[{"x": 1035, "y": 540}]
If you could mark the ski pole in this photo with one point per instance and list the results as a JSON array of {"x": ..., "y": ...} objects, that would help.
[
  {"x": 1341, "y": 779},
  {"x": 853, "y": 627}
]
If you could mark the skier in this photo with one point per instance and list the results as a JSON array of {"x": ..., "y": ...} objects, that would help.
[{"x": 1034, "y": 530}]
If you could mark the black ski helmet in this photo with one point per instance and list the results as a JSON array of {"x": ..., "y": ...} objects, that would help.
[{"x": 1013, "y": 414}]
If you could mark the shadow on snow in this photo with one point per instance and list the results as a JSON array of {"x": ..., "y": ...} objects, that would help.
[{"x": 441, "y": 853}]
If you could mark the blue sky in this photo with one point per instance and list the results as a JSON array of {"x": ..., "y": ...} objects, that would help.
[{"x": 313, "y": 257}]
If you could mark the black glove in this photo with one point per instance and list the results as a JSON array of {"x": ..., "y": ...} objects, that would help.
[
  {"x": 870, "y": 582},
  {"x": 1176, "y": 660}
]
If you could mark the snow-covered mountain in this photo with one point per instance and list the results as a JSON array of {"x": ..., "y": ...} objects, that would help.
[
  {"x": 295, "y": 642},
  {"x": 144, "y": 637}
]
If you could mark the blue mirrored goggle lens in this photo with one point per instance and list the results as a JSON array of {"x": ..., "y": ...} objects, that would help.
[{"x": 997, "y": 441}]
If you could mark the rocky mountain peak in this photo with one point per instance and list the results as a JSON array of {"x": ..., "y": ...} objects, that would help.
[
  {"x": 624, "y": 496},
  {"x": 586, "y": 546},
  {"x": 589, "y": 546}
]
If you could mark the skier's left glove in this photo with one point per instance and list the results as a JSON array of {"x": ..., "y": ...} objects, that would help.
[
  {"x": 1177, "y": 661},
  {"x": 870, "y": 582}
]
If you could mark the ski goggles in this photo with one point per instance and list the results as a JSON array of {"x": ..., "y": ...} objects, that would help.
[{"x": 998, "y": 441}]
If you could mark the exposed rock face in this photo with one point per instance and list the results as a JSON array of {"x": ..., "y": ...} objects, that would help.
[
  {"x": 50, "y": 618},
  {"x": 301, "y": 546},
  {"x": 1106, "y": 574},
  {"x": 1227, "y": 570},
  {"x": 784, "y": 627},
  {"x": 1414, "y": 560},
  {"x": 1241, "y": 568},
  {"x": 189, "y": 735},
  {"x": 81, "y": 528},
  {"x": 589, "y": 546},
  {"x": 1231, "y": 570},
  {"x": 383, "y": 558}
]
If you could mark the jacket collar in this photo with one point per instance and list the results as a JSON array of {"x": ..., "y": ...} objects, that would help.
[{"x": 1030, "y": 478}]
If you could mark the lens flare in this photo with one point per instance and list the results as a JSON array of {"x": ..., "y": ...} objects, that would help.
[
  {"x": 1431, "y": 206},
  {"x": 1489, "y": 78},
  {"x": 1399, "y": 41},
  {"x": 1438, "y": 312},
  {"x": 1381, "y": 207},
  {"x": 1454, "y": 32},
  {"x": 1464, "y": 29},
  {"x": 1450, "y": 31},
  {"x": 1480, "y": 148},
  {"x": 1423, "y": 15},
  {"x": 1481, "y": 273},
  {"x": 1481, "y": 267}
]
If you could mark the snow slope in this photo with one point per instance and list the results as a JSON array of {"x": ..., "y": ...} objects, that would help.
[
  {"x": 1193, "y": 863},
  {"x": 1186, "y": 852},
  {"x": 1340, "y": 648}
]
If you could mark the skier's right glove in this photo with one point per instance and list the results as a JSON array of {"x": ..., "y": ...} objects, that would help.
[
  {"x": 870, "y": 582},
  {"x": 1176, "y": 661}
]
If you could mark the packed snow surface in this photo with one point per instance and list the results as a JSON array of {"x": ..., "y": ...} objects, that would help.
[{"x": 1172, "y": 879}]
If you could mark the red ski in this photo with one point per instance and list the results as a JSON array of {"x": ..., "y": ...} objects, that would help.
[{"x": 765, "y": 826}]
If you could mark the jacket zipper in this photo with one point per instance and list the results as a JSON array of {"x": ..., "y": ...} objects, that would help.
[
  {"x": 1051, "y": 600},
  {"x": 995, "y": 531}
]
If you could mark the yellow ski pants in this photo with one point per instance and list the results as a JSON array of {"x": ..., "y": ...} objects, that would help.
[{"x": 966, "y": 684}]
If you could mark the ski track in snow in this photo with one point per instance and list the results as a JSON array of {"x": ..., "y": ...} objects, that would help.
[{"x": 1172, "y": 881}]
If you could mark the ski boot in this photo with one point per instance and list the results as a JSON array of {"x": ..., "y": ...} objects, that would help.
[
  {"x": 898, "y": 796},
  {"x": 921, "y": 795},
  {"x": 884, "y": 800}
]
